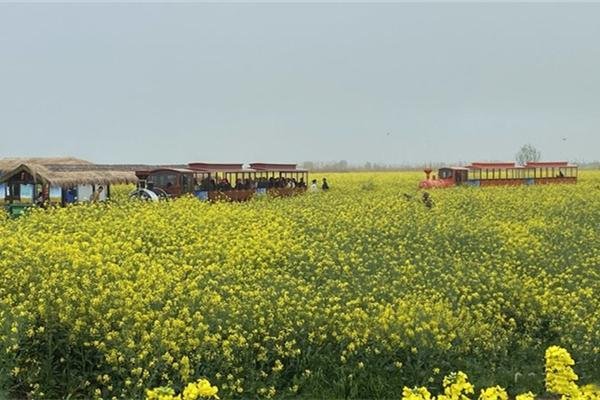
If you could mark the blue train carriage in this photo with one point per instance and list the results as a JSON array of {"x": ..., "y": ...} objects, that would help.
[{"x": 29, "y": 185}]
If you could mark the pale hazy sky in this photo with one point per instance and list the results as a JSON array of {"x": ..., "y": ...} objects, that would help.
[{"x": 394, "y": 83}]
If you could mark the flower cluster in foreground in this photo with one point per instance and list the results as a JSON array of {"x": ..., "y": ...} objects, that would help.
[
  {"x": 193, "y": 391},
  {"x": 560, "y": 380}
]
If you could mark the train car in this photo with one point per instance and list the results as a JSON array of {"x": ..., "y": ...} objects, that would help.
[
  {"x": 279, "y": 176},
  {"x": 221, "y": 181},
  {"x": 502, "y": 174}
]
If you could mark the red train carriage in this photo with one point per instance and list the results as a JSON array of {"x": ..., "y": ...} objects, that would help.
[
  {"x": 502, "y": 174},
  {"x": 230, "y": 182}
]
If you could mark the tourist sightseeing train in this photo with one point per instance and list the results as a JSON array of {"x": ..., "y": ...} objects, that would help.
[
  {"x": 27, "y": 182},
  {"x": 61, "y": 181},
  {"x": 229, "y": 182},
  {"x": 501, "y": 174}
]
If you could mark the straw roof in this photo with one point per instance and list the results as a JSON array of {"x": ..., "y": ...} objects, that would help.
[
  {"x": 10, "y": 163},
  {"x": 65, "y": 172}
]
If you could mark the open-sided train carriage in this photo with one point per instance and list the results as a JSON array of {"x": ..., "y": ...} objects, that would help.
[
  {"x": 502, "y": 174},
  {"x": 221, "y": 182}
]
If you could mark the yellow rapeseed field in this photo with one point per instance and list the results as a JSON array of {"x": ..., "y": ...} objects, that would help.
[{"x": 360, "y": 292}]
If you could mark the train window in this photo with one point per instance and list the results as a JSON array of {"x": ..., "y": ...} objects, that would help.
[
  {"x": 569, "y": 172},
  {"x": 474, "y": 174},
  {"x": 444, "y": 173},
  {"x": 164, "y": 180}
]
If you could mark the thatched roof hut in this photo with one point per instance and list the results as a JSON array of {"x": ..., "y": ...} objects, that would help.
[
  {"x": 9, "y": 163},
  {"x": 65, "y": 172}
]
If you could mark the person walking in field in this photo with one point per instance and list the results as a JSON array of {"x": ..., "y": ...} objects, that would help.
[
  {"x": 427, "y": 200},
  {"x": 325, "y": 185},
  {"x": 313, "y": 186}
]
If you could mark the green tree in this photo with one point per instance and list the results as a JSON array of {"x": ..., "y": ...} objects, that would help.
[{"x": 528, "y": 153}]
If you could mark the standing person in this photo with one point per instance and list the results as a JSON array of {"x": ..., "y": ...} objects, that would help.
[
  {"x": 313, "y": 186},
  {"x": 427, "y": 200},
  {"x": 325, "y": 185},
  {"x": 96, "y": 195},
  {"x": 39, "y": 200}
]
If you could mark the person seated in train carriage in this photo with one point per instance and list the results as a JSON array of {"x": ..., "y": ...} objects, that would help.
[
  {"x": 301, "y": 183},
  {"x": 224, "y": 185},
  {"x": 263, "y": 183},
  {"x": 560, "y": 174},
  {"x": 290, "y": 184},
  {"x": 239, "y": 184},
  {"x": 205, "y": 184}
]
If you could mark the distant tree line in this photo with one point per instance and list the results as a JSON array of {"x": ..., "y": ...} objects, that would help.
[
  {"x": 526, "y": 153},
  {"x": 345, "y": 166}
]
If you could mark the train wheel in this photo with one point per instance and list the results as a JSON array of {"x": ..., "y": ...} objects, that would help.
[
  {"x": 162, "y": 195},
  {"x": 143, "y": 194}
]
